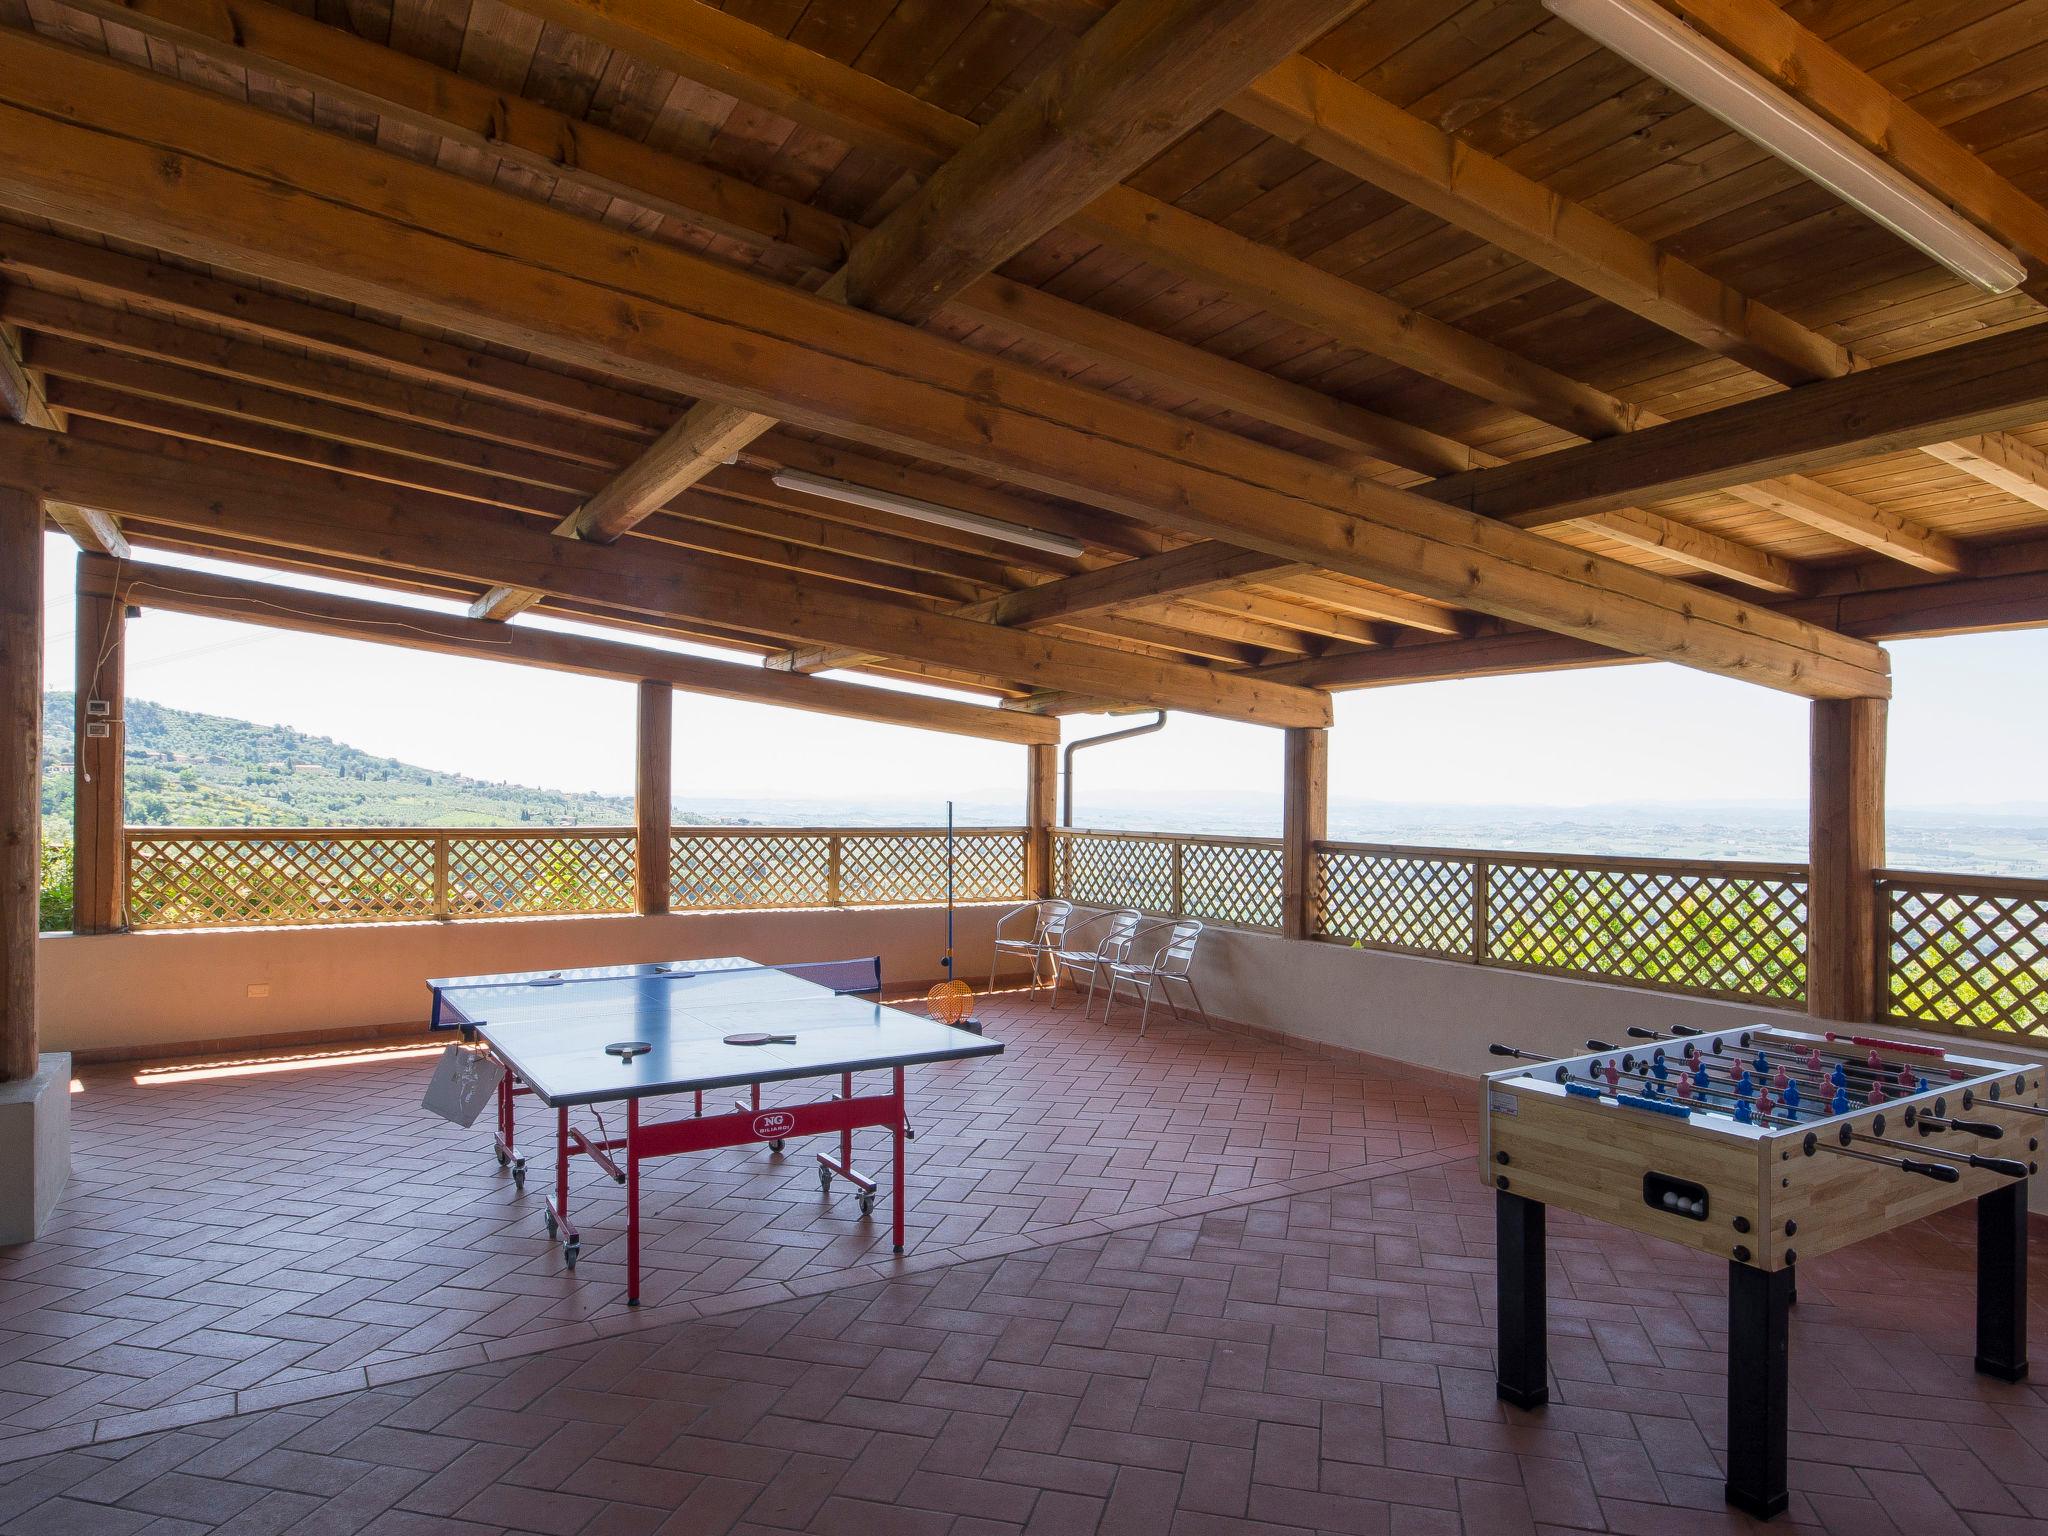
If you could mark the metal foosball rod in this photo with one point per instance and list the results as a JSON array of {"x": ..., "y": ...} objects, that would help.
[
  {"x": 2011, "y": 1168},
  {"x": 1875, "y": 1083},
  {"x": 1682, "y": 1091},
  {"x": 1790, "y": 1094},
  {"x": 1805, "y": 1056},
  {"x": 1941, "y": 1172},
  {"x": 1929, "y": 1124}
]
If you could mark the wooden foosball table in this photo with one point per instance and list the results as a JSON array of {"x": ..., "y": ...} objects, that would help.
[{"x": 1763, "y": 1146}]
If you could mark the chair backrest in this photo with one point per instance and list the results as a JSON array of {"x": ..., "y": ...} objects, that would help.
[
  {"x": 1177, "y": 954},
  {"x": 1122, "y": 929},
  {"x": 1050, "y": 925}
]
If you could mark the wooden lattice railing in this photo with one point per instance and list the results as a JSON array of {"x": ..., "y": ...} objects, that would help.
[
  {"x": 1232, "y": 880},
  {"x": 745, "y": 868},
  {"x": 1965, "y": 952},
  {"x": 274, "y": 877},
  {"x": 1722, "y": 929}
]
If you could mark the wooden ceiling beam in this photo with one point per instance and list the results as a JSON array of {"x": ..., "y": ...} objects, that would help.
[
  {"x": 1198, "y": 250},
  {"x": 1320, "y": 111},
  {"x": 367, "y": 226},
  {"x": 434, "y": 100},
  {"x": 1145, "y": 75},
  {"x": 1130, "y": 583},
  {"x": 1988, "y": 385},
  {"x": 22, "y": 399},
  {"x": 274, "y": 606},
  {"x": 207, "y": 488}
]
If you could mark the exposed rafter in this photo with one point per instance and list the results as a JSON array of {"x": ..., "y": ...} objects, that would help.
[
  {"x": 185, "y": 485},
  {"x": 1322, "y": 112},
  {"x": 277, "y": 607},
  {"x": 1145, "y": 75},
  {"x": 412, "y": 240},
  {"x": 23, "y": 400}
]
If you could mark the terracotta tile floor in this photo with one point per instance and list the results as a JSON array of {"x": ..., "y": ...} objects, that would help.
[
  {"x": 235, "y": 1242},
  {"x": 1310, "y": 1359}
]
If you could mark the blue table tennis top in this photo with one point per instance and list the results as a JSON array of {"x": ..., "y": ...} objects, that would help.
[{"x": 552, "y": 1027}]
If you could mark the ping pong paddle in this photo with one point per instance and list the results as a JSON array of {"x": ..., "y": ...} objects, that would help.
[
  {"x": 760, "y": 1039},
  {"x": 626, "y": 1050}
]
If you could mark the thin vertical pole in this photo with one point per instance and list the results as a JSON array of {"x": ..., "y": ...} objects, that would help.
[
  {"x": 653, "y": 788},
  {"x": 21, "y": 753}
]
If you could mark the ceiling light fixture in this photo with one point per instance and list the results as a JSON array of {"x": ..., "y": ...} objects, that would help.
[
  {"x": 1717, "y": 82},
  {"x": 928, "y": 512}
]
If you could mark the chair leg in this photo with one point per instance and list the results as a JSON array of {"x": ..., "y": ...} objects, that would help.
[
  {"x": 1088, "y": 1007},
  {"x": 1200, "y": 1007},
  {"x": 995, "y": 960},
  {"x": 1145, "y": 1013}
]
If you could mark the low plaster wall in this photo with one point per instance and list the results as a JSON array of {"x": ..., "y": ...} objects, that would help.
[{"x": 134, "y": 992}]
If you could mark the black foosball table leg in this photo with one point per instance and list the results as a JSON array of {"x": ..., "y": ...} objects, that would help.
[
  {"x": 2002, "y": 1282},
  {"x": 1759, "y": 1354},
  {"x": 1523, "y": 1374}
]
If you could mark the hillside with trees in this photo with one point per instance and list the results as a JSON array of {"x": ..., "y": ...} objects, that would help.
[{"x": 195, "y": 770}]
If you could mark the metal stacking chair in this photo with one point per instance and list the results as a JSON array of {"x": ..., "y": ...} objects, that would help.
[
  {"x": 1167, "y": 961},
  {"x": 1049, "y": 921},
  {"x": 1117, "y": 930}
]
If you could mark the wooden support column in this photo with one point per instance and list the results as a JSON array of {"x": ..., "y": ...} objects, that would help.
[
  {"x": 21, "y": 751},
  {"x": 1846, "y": 849},
  {"x": 1041, "y": 810},
  {"x": 99, "y": 832},
  {"x": 653, "y": 788},
  {"x": 1304, "y": 822}
]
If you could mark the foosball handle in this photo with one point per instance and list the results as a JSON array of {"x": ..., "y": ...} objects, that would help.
[
  {"x": 1978, "y": 1128},
  {"x": 1598, "y": 1045},
  {"x": 1509, "y": 1050},
  {"x": 1637, "y": 1032},
  {"x": 2011, "y": 1167},
  {"x": 1685, "y": 1031},
  {"x": 1940, "y": 1171}
]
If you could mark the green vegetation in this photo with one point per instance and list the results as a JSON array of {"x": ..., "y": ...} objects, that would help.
[{"x": 194, "y": 770}]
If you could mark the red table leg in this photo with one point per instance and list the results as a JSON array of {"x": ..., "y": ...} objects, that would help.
[
  {"x": 902, "y": 1116},
  {"x": 632, "y": 1202},
  {"x": 558, "y": 1208},
  {"x": 846, "y": 1136}
]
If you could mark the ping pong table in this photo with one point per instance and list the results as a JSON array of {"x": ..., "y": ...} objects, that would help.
[{"x": 614, "y": 1034}]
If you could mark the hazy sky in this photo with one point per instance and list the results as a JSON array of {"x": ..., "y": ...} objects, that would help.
[{"x": 1968, "y": 727}]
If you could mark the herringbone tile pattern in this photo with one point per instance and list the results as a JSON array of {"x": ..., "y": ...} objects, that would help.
[
  {"x": 234, "y": 1242},
  {"x": 1316, "y": 1362}
]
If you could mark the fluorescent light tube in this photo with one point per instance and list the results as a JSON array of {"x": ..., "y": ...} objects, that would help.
[
  {"x": 1716, "y": 81},
  {"x": 928, "y": 512}
]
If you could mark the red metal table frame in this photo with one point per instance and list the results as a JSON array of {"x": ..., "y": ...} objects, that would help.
[{"x": 747, "y": 1125}]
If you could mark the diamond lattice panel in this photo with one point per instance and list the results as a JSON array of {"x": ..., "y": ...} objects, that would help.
[
  {"x": 204, "y": 880},
  {"x": 1234, "y": 883},
  {"x": 1396, "y": 901},
  {"x": 737, "y": 872},
  {"x": 900, "y": 868},
  {"x": 1975, "y": 960},
  {"x": 1117, "y": 871},
  {"x": 1740, "y": 934},
  {"x": 495, "y": 875}
]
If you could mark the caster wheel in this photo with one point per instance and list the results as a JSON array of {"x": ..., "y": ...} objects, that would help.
[
  {"x": 553, "y": 1225},
  {"x": 569, "y": 1254},
  {"x": 775, "y": 1146},
  {"x": 519, "y": 1177},
  {"x": 825, "y": 1179},
  {"x": 867, "y": 1205},
  {"x": 504, "y": 1157}
]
